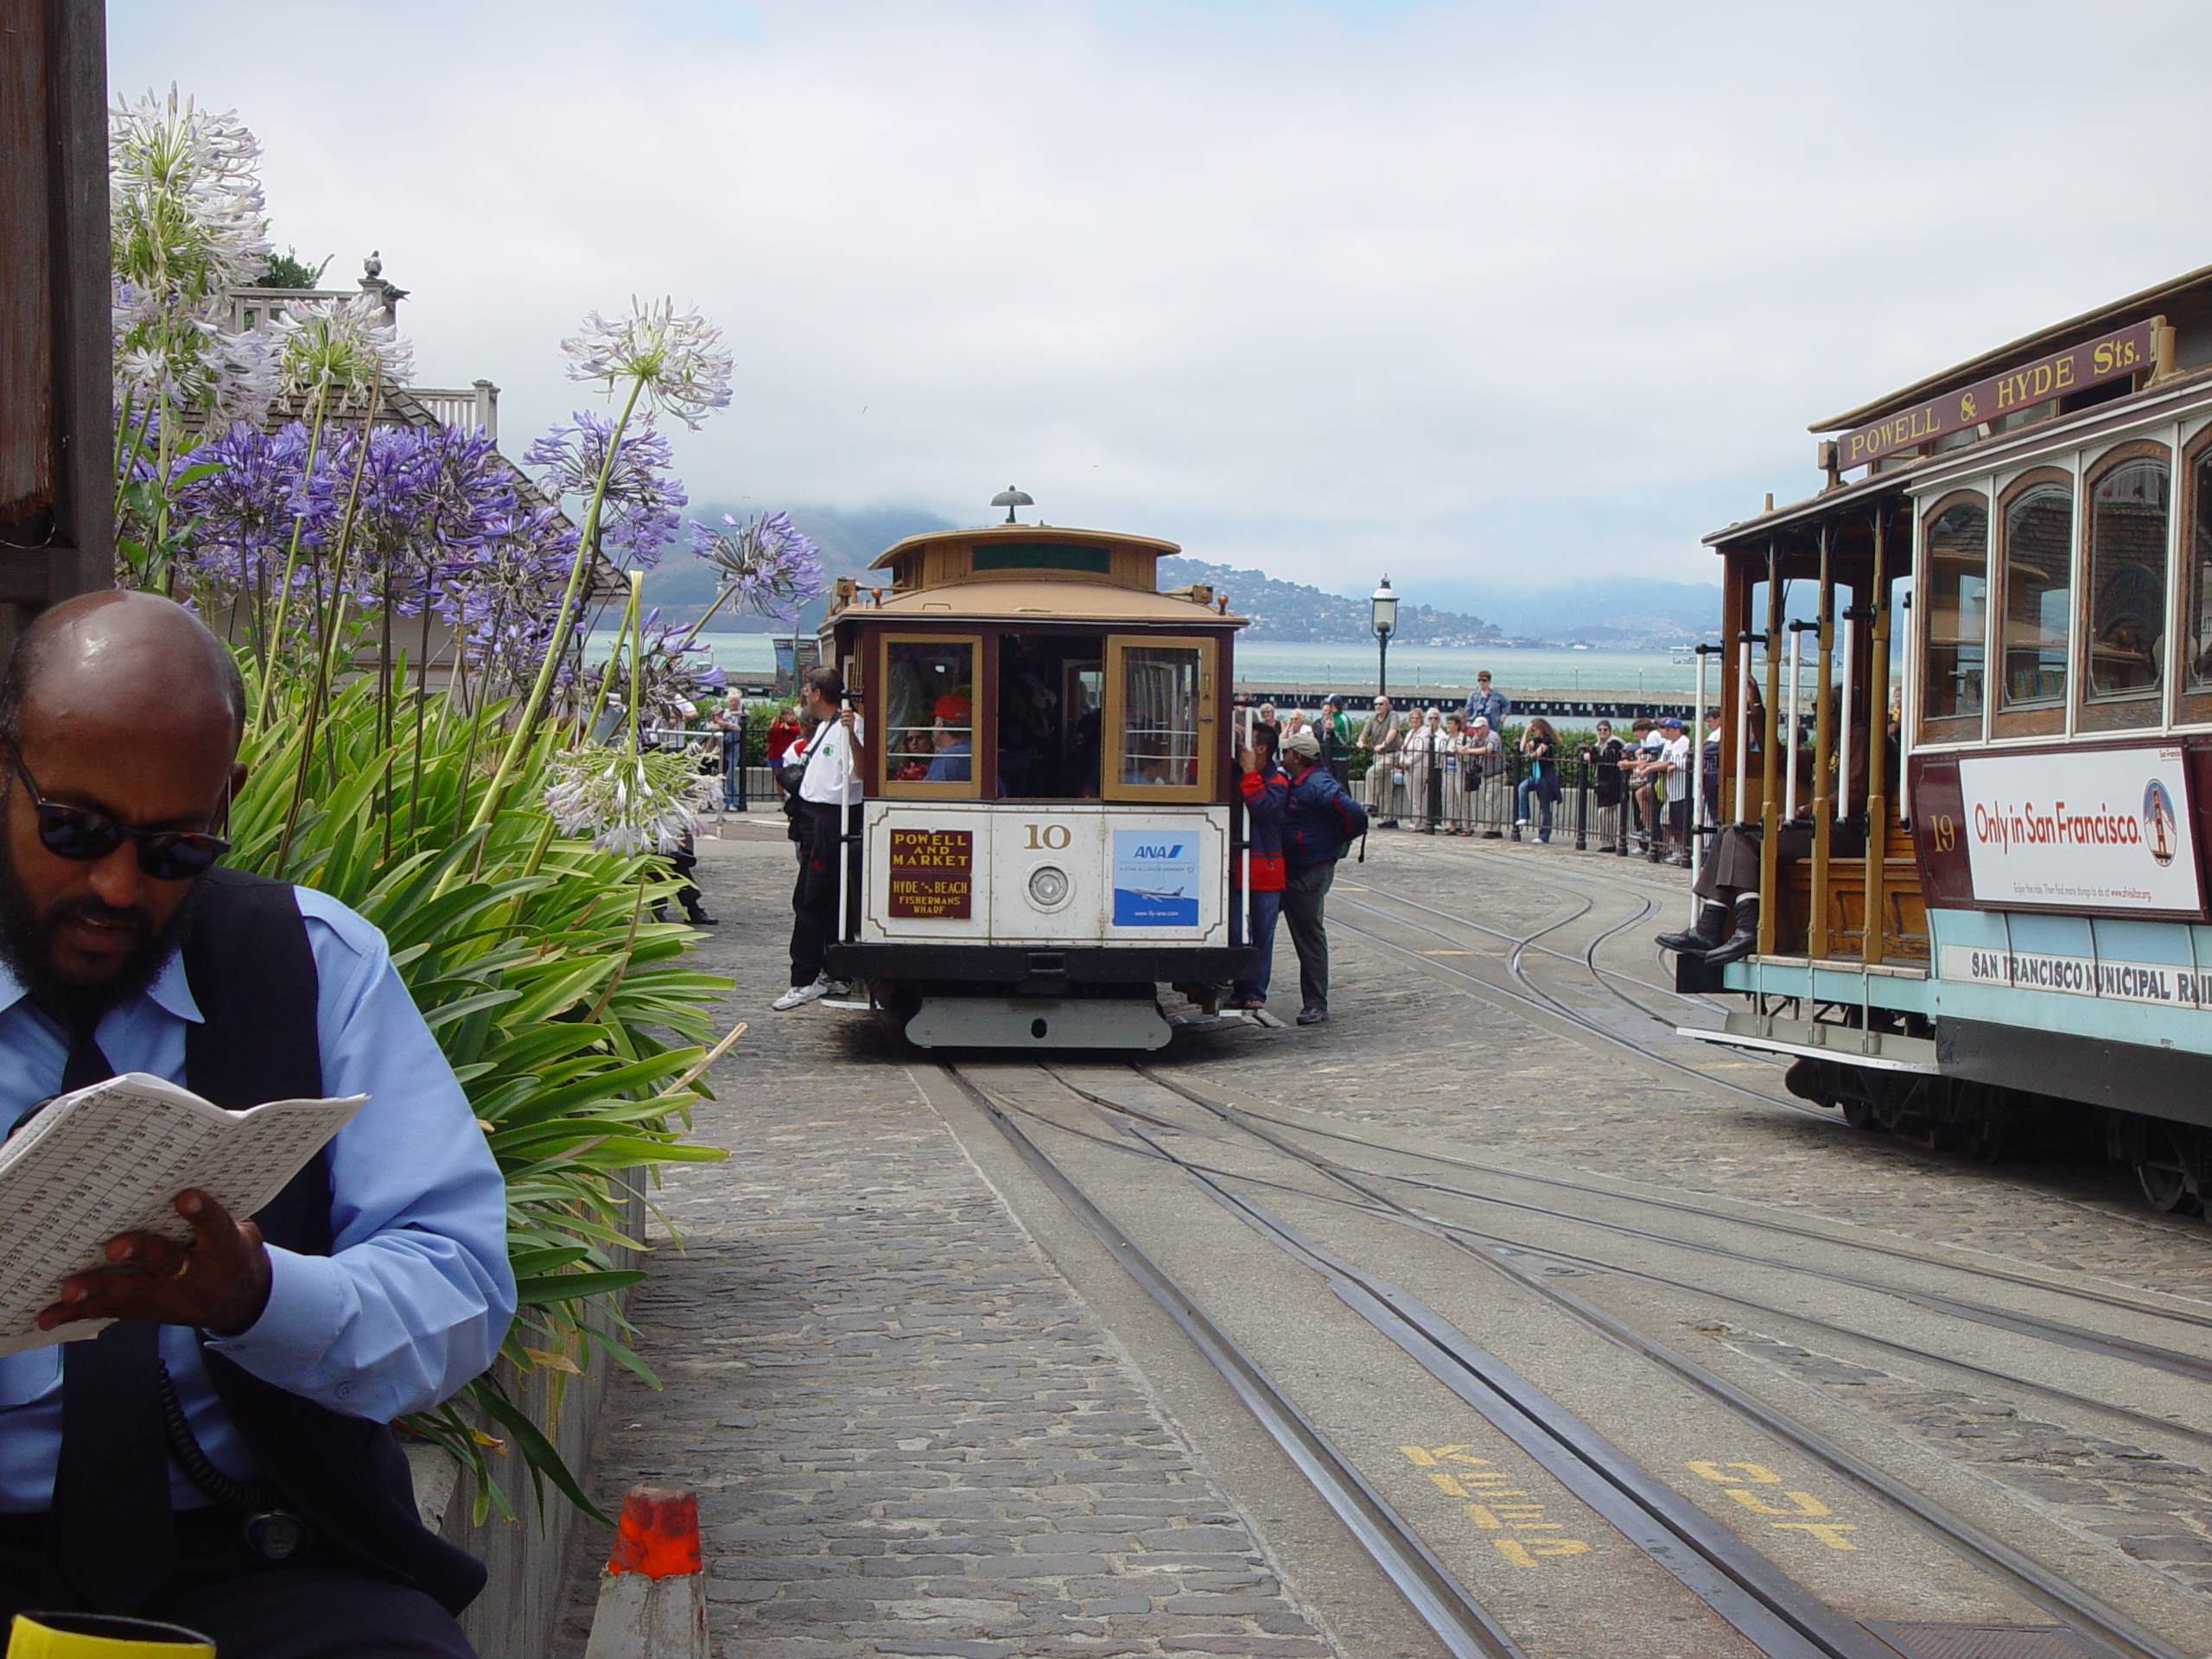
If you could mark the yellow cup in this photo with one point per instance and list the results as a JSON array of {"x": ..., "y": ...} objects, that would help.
[{"x": 102, "y": 1636}]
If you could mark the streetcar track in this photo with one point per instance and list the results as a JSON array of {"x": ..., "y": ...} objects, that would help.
[
  {"x": 2001, "y": 1561},
  {"x": 1553, "y": 1008},
  {"x": 2086, "y": 1613},
  {"x": 1651, "y": 904},
  {"x": 1761, "y": 1223},
  {"x": 1772, "y": 1611},
  {"x": 1147, "y": 1149},
  {"x": 1461, "y": 1623}
]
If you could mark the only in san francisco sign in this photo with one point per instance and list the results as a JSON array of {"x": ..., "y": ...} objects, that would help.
[{"x": 2106, "y": 357}]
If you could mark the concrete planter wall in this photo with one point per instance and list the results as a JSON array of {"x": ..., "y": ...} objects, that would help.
[{"x": 514, "y": 1618}]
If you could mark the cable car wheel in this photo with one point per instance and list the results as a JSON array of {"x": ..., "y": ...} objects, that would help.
[{"x": 2163, "y": 1171}]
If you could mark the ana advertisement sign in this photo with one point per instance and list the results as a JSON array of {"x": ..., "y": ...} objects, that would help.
[
  {"x": 2104, "y": 829},
  {"x": 1155, "y": 878}
]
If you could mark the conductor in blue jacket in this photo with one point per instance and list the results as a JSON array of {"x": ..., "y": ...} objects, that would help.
[
  {"x": 1318, "y": 819},
  {"x": 220, "y": 1456}
]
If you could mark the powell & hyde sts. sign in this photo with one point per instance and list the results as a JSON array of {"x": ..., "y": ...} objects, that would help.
[{"x": 2106, "y": 357}]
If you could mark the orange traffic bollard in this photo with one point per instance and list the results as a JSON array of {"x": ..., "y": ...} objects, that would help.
[
  {"x": 657, "y": 1534},
  {"x": 652, "y": 1601}
]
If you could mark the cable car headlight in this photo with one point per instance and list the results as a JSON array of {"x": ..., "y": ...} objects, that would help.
[{"x": 1048, "y": 887}]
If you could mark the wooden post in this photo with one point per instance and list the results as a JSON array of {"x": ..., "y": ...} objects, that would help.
[
  {"x": 1816, "y": 940},
  {"x": 1878, "y": 735},
  {"x": 1733, "y": 623},
  {"x": 1770, "y": 773},
  {"x": 57, "y": 535}
]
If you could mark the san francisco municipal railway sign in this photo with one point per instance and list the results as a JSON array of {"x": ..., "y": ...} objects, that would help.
[{"x": 2107, "y": 357}]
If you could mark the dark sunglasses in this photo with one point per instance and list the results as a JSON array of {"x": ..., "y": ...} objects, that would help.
[{"x": 78, "y": 833}]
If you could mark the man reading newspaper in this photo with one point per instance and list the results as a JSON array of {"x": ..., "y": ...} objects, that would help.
[{"x": 276, "y": 1516}]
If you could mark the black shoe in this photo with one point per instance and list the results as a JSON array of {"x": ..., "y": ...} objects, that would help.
[
  {"x": 1711, "y": 929},
  {"x": 700, "y": 919},
  {"x": 1493, "y": 835},
  {"x": 1735, "y": 949},
  {"x": 1312, "y": 1016},
  {"x": 1745, "y": 940}
]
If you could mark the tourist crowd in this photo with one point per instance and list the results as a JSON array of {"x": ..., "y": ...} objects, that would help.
[{"x": 1463, "y": 771}]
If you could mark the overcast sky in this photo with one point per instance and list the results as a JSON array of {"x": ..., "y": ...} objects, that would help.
[{"x": 1515, "y": 292}]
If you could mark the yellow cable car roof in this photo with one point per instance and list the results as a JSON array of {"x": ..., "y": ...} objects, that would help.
[
  {"x": 1019, "y": 532},
  {"x": 1020, "y": 600}
]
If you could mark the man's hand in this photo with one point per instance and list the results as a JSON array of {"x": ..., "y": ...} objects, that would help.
[
  {"x": 219, "y": 1282},
  {"x": 1246, "y": 759}
]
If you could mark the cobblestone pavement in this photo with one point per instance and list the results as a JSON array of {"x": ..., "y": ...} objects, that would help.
[
  {"x": 907, "y": 1435},
  {"x": 910, "y": 1437}
]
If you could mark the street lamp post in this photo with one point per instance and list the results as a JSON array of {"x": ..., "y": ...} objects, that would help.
[{"x": 1384, "y": 620}]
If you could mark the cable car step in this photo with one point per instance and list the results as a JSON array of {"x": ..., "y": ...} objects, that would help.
[
  {"x": 1038, "y": 1022},
  {"x": 1880, "y": 1051}
]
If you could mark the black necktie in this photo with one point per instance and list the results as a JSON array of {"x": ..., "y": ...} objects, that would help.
[{"x": 111, "y": 1537}]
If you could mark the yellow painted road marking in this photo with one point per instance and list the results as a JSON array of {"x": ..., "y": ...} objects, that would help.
[
  {"x": 1489, "y": 1514},
  {"x": 1522, "y": 1554},
  {"x": 1447, "y": 953},
  {"x": 1799, "y": 1502},
  {"x": 1753, "y": 1474},
  {"x": 1826, "y": 1532},
  {"x": 1738, "y": 1478}
]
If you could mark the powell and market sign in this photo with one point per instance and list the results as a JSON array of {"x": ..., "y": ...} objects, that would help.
[{"x": 2106, "y": 357}]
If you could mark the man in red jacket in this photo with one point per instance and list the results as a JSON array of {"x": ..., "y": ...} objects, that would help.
[{"x": 1266, "y": 791}]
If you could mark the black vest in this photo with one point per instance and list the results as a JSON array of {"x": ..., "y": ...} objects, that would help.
[{"x": 252, "y": 973}]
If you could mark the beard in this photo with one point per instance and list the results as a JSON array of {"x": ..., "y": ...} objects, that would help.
[{"x": 26, "y": 944}]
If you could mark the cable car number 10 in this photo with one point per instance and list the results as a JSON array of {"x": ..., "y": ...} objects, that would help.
[{"x": 1046, "y": 837}]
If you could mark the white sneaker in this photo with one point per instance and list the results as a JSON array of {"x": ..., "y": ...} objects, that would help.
[{"x": 799, "y": 995}]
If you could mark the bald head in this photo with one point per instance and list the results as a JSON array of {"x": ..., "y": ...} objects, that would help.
[{"x": 120, "y": 657}]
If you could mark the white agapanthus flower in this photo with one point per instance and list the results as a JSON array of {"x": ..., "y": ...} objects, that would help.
[
  {"x": 186, "y": 225},
  {"x": 628, "y": 801},
  {"x": 339, "y": 348},
  {"x": 678, "y": 361},
  {"x": 185, "y": 210}
]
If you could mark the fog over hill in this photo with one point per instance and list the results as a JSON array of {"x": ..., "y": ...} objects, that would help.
[
  {"x": 1624, "y": 610},
  {"x": 1603, "y": 610}
]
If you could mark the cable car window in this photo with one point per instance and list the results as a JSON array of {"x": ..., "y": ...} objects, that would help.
[
  {"x": 1048, "y": 728},
  {"x": 2200, "y": 579},
  {"x": 2038, "y": 594},
  {"x": 1159, "y": 716},
  {"x": 929, "y": 714},
  {"x": 1955, "y": 618},
  {"x": 2128, "y": 580}
]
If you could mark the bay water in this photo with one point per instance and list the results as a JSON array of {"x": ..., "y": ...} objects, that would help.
[{"x": 1350, "y": 668}]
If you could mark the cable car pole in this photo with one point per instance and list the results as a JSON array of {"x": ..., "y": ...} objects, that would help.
[
  {"x": 1816, "y": 938},
  {"x": 1770, "y": 806}
]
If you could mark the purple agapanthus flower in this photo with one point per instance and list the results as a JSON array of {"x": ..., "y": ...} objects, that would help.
[
  {"x": 766, "y": 563},
  {"x": 241, "y": 494},
  {"x": 639, "y": 514}
]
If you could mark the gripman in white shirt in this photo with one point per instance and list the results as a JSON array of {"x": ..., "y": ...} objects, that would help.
[{"x": 829, "y": 786}]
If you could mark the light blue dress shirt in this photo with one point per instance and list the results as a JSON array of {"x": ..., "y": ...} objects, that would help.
[{"x": 416, "y": 1296}]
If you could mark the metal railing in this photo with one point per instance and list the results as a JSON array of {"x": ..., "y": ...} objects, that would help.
[{"x": 1583, "y": 807}]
